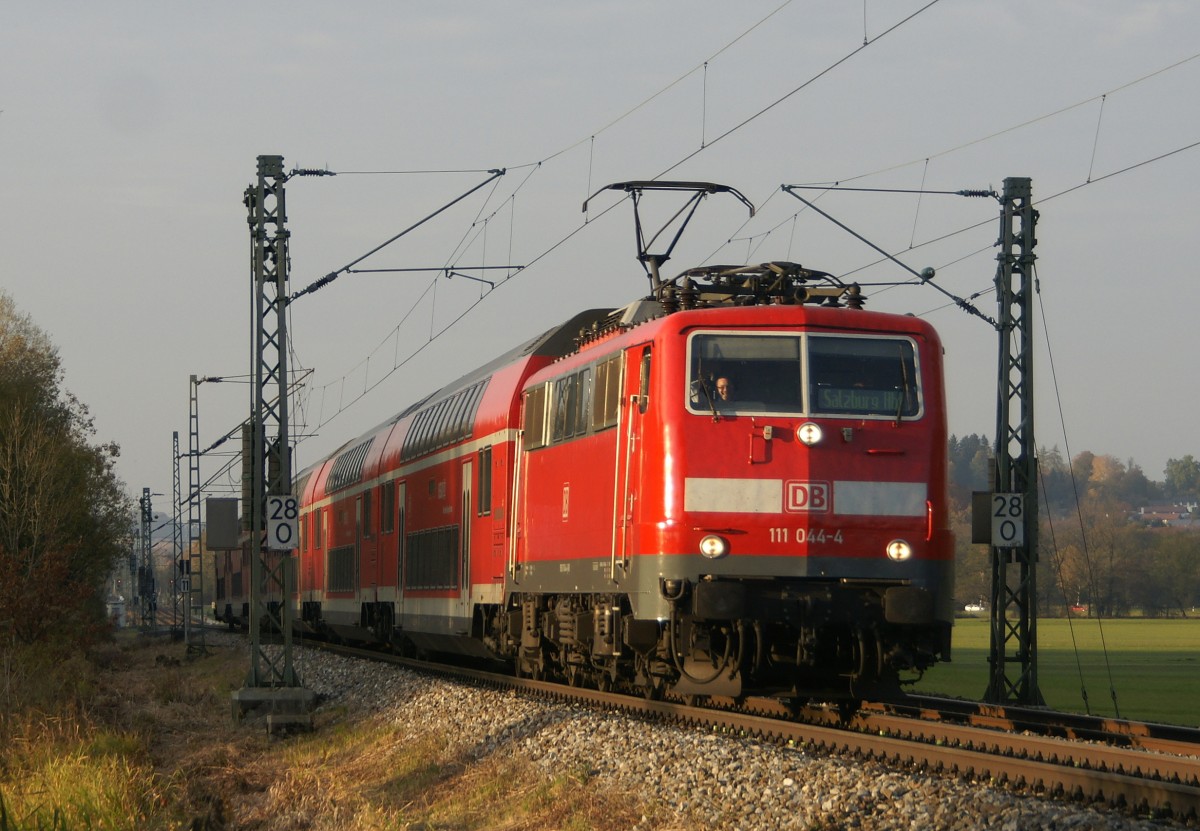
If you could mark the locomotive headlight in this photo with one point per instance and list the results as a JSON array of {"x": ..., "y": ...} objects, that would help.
[
  {"x": 714, "y": 547},
  {"x": 898, "y": 551},
  {"x": 809, "y": 433}
]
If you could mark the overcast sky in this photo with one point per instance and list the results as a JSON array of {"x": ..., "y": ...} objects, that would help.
[{"x": 129, "y": 132}]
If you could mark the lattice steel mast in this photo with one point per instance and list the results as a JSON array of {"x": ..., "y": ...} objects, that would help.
[
  {"x": 146, "y": 589},
  {"x": 195, "y": 558},
  {"x": 179, "y": 597},
  {"x": 1013, "y": 658},
  {"x": 271, "y": 453}
]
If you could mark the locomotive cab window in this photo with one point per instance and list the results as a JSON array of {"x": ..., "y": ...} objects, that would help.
[
  {"x": 863, "y": 376},
  {"x": 813, "y": 374},
  {"x": 746, "y": 373}
]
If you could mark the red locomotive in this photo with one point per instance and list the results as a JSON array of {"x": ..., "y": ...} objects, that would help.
[{"x": 735, "y": 487}]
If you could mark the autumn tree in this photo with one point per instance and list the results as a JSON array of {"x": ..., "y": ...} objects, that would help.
[
  {"x": 64, "y": 516},
  {"x": 968, "y": 459},
  {"x": 1182, "y": 478}
]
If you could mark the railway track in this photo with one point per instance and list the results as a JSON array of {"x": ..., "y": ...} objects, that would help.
[{"x": 1142, "y": 768}]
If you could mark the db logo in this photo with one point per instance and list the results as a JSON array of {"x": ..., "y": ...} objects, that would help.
[{"x": 806, "y": 497}]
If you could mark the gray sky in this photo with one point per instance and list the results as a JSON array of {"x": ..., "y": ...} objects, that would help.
[{"x": 129, "y": 132}]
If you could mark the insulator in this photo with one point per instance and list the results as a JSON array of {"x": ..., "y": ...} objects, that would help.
[
  {"x": 668, "y": 300},
  {"x": 854, "y": 297}
]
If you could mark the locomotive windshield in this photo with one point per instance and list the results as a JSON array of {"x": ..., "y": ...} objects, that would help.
[{"x": 813, "y": 374}]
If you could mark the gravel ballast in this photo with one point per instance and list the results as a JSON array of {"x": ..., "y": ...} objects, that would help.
[{"x": 714, "y": 780}]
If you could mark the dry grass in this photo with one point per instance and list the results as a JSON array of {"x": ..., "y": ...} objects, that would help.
[
  {"x": 362, "y": 775},
  {"x": 155, "y": 747}
]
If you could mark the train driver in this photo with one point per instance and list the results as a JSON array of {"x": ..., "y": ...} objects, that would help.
[{"x": 724, "y": 389}]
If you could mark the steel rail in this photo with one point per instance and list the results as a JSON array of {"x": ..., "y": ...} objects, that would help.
[{"x": 1162, "y": 738}]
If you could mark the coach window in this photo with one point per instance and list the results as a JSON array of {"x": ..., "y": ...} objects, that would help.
[
  {"x": 420, "y": 431},
  {"x": 387, "y": 507},
  {"x": 368, "y": 498},
  {"x": 485, "y": 481},
  {"x": 440, "y": 411},
  {"x": 441, "y": 424},
  {"x": 457, "y": 420}
]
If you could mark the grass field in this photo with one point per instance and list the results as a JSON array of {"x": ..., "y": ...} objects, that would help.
[{"x": 1153, "y": 666}]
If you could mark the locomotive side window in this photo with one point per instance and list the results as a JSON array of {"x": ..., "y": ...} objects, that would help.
[
  {"x": 564, "y": 424},
  {"x": 572, "y": 405},
  {"x": 863, "y": 376},
  {"x": 535, "y": 418},
  {"x": 576, "y": 405},
  {"x": 583, "y": 402},
  {"x": 644, "y": 382},
  {"x": 606, "y": 401}
]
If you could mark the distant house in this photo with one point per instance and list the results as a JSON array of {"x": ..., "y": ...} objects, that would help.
[{"x": 1184, "y": 516}]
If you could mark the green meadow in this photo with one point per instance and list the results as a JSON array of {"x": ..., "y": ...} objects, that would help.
[{"x": 1152, "y": 667}]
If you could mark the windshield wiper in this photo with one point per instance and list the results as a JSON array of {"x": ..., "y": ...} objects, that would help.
[
  {"x": 708, "y": 396},
  {"x": 903, "y": 387}
]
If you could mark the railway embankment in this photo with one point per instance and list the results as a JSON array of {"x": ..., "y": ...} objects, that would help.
[{"x": 395, "y": 748}]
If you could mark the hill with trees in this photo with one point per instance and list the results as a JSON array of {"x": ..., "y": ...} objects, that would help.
[{"x": 1104, "y": 543}]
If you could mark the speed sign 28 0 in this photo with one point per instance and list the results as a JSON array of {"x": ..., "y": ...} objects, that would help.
[
  {"x": 282, "y": 522},
  {"x": 1008, "y": 520}
]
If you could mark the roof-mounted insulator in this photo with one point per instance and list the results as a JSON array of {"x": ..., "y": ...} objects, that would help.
[{"x": 854, "y": 297}]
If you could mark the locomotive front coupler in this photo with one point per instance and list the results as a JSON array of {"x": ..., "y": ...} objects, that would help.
[{"x": 672, "y": 589}]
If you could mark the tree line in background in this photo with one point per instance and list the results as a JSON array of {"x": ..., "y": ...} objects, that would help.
[
  {"x": 1099, "y": 552},
  {"x": 65, "y": 518}
]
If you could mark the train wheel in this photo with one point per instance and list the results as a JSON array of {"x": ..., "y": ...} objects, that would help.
[{"x": 531, "y": 664}]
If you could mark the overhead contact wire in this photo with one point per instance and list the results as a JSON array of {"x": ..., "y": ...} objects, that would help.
[{"x": 802, "y": 86}]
